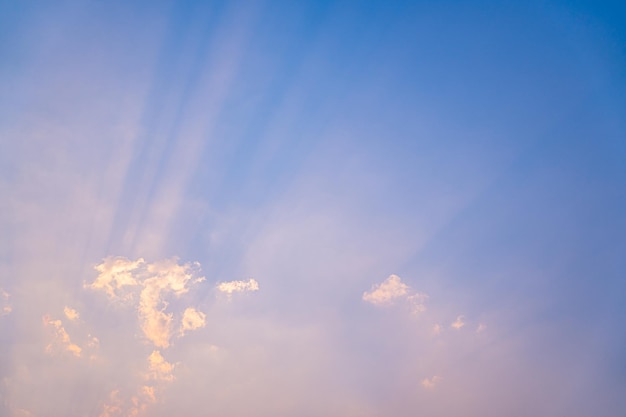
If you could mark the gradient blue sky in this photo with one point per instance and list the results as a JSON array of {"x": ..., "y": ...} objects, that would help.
[{"x": 312, "y": 208}]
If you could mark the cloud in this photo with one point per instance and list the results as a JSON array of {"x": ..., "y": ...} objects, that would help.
[
  {"x": 150, "y": 286},
  {"x": 70, "y": 313},
  {"x": 153, "y": 282},
  {"x": 5, "y": 307},
  {"x": 458, "y": 323},
  {"x": 430, "y": 383},
  {"x": 115, "y": 273},
  {"x": 158, "y": 368},
  {"x": 192, "y": 319},
  {"x": 238, "y": 286},
  {"x": 437, "y": 328},
  {"x": 393, "y": 289},
  {"x": 481, "y": 328},
  {"x": 387, "y": 291},
  {"x": 114, "y": 406},
  {"x": 60, "y": 339}
]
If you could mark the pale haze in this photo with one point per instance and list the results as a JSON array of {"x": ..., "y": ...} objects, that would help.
[{"x": 312, "y": 209}]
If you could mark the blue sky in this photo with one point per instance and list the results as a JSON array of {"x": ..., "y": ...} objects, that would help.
[{"x": 312, "y": 208}]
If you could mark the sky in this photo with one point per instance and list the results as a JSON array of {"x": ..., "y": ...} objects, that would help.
[{"x": 312, "y": 208}]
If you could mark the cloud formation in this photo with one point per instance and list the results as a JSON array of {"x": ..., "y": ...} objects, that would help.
[
  {"x": 192, "y": 319},
  {"x": 60, "y": 340},
  {"x": 458, "y": 323},
  {"x": 231, "y": 287},
  {"x": 430, "y": 383},
  {"x": 71, "y": 314},
  {"x": 393, "y": 289},
  {"x": 149, "y": 285}
]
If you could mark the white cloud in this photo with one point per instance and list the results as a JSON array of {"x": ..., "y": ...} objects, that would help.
[
  {"x": 481, "y": 328},
  {"x": 393, "y": 289},
  {"x": 238, "y": 286},
  {"x": 387, "y": 291},
  {"x": 458, "y": 323}
]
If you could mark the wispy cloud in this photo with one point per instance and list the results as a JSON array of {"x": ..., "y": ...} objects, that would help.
[
  {"x": 231, "y": 287},
  {"x": 60, "y": 340},
  {"x": 458, "y": 323},
  {"x": 5, "y": 307},
  {"x": 431, "y": 383}
]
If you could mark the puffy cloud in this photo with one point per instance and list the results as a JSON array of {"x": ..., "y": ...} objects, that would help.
[
  {"x": 458, "y": 323},
  {"x": 70, "y": 313},
  {"x": 387, "y": 291},
  {"x": 115, "y": 273},
  {"x": 392, "y": 289},
  {"x": 238, "y": 286},
  {"x": 158, "y": 368},
  {"x": 150, "y": 286},
  {"x": 430, "y": 383},
  {"x": 192, "y": 319},
  {"x": 60, "y": 339},
  {"x": 154, "y": 282},
  {"x": 5, "y": 307}
]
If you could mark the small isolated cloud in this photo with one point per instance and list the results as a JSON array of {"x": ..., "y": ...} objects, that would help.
[
  {"x": 71, "y": 314},
  {"x": 481, "y": 328},
  {"x": 192, "y": 319},
  {"x": 392, "y": 289},
  {"x": 437, "y": 328},
  {"x": 430, "y": 383},
  {"x": 458, "y": 323},
  {"x": 387, "y": 291},
  {"x": 5, "y": 307},
  {"x": 231, "y": 287},
  {"x": 61, "y": 341}
]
